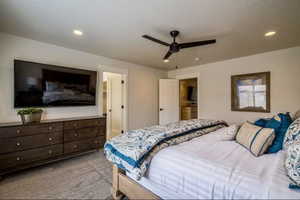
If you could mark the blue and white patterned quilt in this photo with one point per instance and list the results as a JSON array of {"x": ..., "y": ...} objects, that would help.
[{"x": 133, "y": 150}]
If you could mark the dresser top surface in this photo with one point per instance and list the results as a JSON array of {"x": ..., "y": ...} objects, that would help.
[{"x": 51, "y": 121}]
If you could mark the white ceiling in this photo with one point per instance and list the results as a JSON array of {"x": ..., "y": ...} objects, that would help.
[{"x": 113, "y": 28}]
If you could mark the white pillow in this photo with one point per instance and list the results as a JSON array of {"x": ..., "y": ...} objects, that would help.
[{"x": 227, "y": 133}]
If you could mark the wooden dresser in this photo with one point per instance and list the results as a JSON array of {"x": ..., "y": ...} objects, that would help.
[
  {"x": 189, "y": 112},
  {"x": 25, "y": 146}
]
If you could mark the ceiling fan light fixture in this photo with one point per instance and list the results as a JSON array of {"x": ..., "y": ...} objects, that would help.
[
  {"x": 77, "y": 32},
  {"x": 270, "y": 33},
  {"x": 175, "y": 47}
]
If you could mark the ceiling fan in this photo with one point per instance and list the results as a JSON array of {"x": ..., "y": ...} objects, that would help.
[{"x": 175, "y": 47}]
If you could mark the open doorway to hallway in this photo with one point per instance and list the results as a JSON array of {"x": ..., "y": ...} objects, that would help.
[
  {"x": 188, "y": 99},
  {"x": 113, "y": 103}
]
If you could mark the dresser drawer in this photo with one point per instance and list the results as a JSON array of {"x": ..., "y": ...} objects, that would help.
[
  {"x": 83, "y": 145},
  {"x": 102, "y": 131},
  {"x": 8, "y": 145},
  {"x": 17, "y": 131},
  {"x": 99, "y": 142},
  {"x": 82, "y": 123},
  {"x": 26, "y": 157},
  {"x": 102, "y": 121},
  {"x": 79, "y": 134}
]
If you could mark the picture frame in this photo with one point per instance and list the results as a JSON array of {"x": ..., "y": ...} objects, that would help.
[{"x": 251, "y": 92}]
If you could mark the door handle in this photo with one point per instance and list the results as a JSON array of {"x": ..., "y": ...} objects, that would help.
[
  {"x": 161, "y": 109},
  {"x": 109, "y": 110}
]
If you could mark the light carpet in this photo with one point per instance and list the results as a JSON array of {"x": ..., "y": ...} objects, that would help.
[{"x": 85, "y": 177}]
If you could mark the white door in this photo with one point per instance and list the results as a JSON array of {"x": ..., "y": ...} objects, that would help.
[
  {"x": 114, "y": 104},
  {"x": 168, "y": 101}
]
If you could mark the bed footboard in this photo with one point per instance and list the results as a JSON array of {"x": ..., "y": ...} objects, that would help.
[{"x": 123, "y": 185}]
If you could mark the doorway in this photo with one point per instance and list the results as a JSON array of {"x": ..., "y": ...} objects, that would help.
[
  {"x": 188, "y": 99},
  {"x": 113, "y": 88}
]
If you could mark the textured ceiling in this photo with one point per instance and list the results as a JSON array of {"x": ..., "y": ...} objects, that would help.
[{"x": 113, "y": 28}]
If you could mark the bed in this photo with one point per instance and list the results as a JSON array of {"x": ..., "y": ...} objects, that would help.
[{"x": 208, "y": 168}]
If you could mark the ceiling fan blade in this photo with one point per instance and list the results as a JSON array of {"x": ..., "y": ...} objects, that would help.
[
  {"x": 155, "y": 40},
  {"x": 196, "y": 44},
  {"x": 169, "y": 53}
]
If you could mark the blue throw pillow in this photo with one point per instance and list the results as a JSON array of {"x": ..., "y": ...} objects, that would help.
[
  {"x": 280, "y": 123},
  {"x": 261, "y": 122}
]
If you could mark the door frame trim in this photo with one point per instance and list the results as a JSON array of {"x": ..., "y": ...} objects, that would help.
[{"x": 125, "y": 74}]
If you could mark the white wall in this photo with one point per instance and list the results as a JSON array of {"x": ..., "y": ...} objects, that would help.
[
  {"x": 215, "y": 87},
  {"x": 142, "y": 81}
]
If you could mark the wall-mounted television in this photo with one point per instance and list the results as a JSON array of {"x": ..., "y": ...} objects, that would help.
[{"x": 43, "y": 85}]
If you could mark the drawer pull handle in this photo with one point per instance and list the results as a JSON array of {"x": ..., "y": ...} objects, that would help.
[
  {"x": 75, "y": 146},
  {"x": 18, "y": 131},
  {"x": 50, "y": 128},
  {"x": 50, "y": 139},
  {"x": 50, "y": 151},
  {"x": 75, "y": 134},
  {"x": 18, "y": 144},
  {"x": 18, "y": 158}
]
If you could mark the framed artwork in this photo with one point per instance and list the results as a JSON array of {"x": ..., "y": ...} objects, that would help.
[{"x": 251, "y": 92}]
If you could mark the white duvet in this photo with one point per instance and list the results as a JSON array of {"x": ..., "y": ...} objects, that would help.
[{"x": 208, "y": 168}]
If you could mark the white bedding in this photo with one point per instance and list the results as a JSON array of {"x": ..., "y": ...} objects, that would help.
[{"x": 207, "y": 168}]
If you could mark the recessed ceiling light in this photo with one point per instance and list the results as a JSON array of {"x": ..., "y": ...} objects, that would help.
[
  {"x": 270, "y": 33},
  {"x": 166, "y": 60},
  {"x": 77, "y": 32}
]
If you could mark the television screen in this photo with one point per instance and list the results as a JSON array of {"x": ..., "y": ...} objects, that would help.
[
  {"x": 191, "y": 93},
  {"x": 42, "y": 85}
]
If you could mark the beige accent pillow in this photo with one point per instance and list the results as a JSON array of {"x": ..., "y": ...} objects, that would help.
[{"x": 254, "y": 138}]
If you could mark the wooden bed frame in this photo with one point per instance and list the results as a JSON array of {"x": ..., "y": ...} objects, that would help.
[{"x": 123, "y": 185}]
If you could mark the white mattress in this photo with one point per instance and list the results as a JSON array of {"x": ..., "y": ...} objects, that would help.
[{"x": 207, "y": 168}]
